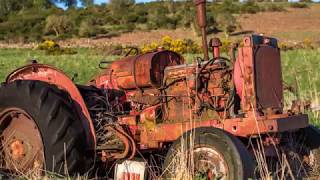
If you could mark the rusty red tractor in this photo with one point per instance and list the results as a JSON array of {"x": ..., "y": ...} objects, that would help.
[{"x": 226, "y": 113}]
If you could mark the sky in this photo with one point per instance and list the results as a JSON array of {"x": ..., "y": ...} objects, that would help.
[
  {"x": 103, "y": 1},
  {"x": 138, "y": 1}
]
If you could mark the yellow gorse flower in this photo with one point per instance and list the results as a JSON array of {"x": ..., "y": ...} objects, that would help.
[
  {"x": 177, "y": 45},
  {"x": 48, "y": 44}
]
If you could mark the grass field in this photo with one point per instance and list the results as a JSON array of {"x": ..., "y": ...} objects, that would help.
[
  {"x": 84, "y": 63},
  {"x": 300, "y": 69}
]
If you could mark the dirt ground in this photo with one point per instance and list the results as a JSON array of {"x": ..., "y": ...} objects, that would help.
[
  {"x": 291, "y": 25},
  {"x": 132, "y": 38}
]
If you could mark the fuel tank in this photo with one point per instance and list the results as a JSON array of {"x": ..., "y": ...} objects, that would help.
[{"x": 142, "y": 71}]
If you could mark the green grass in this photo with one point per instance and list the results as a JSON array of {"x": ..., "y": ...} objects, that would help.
[
  {"x": 300, "y": 69},
  {"x": 84, "y": 63}
]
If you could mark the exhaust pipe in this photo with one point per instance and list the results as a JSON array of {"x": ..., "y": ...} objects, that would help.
[{"x": 202, "y": 23}]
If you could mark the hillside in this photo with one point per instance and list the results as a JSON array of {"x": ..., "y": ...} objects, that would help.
[
  {"x": 292, "y": 25},
  {"x": 97, "y": 26}
]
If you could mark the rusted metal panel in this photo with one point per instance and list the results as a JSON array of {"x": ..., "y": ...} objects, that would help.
[
  {"x": 142, "y": 71},
  {"x": 268, "y": 77},
  {"x": 243, "y": 127}
]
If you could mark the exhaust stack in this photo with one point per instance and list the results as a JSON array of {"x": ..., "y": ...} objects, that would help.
[{"x": 202, "y": 23}]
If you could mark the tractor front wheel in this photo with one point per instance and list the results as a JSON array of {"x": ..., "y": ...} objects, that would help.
[
  {"x": 40, "y": 129},
  {"x": 208, "y": 153}
]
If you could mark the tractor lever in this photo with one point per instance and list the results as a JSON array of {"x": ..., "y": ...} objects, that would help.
[
  {"x": 132, "y": 49},
  {"x": 103, "y": 64}
]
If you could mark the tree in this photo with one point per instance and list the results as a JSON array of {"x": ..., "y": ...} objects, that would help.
[
  {"x": 225, "y": 18},
  {"x": 120, "y": 8},
  {"x": 86, "y": 3},
  {"x": 14, "y": 5},
  {"x": 59, "y": 24},
  {"x": 7, "y": 6}
]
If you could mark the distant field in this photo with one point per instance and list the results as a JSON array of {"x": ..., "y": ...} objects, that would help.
[
  {"x": 301, "y": 66},
  {"x": 294, "y": 24}
]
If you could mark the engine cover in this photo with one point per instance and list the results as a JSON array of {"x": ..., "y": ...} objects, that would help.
[{"x": 142, "y": 71}]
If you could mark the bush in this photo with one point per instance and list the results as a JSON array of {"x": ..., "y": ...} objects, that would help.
[
  {"x": 307, "y": 44},
  {"x": 89, "y": 28},
  {"x": 24, "y": 28},
  {"x": 227, "y": 22},
  {"x": 48, "y": 44},
  {"x": 58, "y": 24},
  {"x": 177, "y": 45},
  {"x": 250, "y": 7},
  {"x": 274, "y": 7},
  {"x": 85, "y": 29},
  {"x": 298, "y": 5},
  {"x": 225, "y": 45},
  {"x": 53, "y": 48}
]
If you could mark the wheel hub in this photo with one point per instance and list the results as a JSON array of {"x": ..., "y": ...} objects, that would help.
[
  {"x": 209, "y": 164},
  {"x": 17, "y": 150},
  {"x": 21, "y": 141}
]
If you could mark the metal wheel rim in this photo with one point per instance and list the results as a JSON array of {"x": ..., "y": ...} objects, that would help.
[
  {"x": 208, "y": 162},
  {"x": 21, "y": 143}
]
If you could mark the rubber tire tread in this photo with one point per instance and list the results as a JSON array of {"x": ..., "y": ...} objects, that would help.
[
  {"x": 60, "y": 127},
  {"x": 312, "y": 141},
  {"x": 238, "y": 159}
]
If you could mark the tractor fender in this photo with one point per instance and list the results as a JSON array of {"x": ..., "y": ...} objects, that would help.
[{"x": 51, "y": 75}]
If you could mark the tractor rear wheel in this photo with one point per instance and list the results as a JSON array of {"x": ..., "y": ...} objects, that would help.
[
  {"x": 40, "y": 130},
  {"x": 208, "y": 153},
  {"x": 313, "y": 145}
]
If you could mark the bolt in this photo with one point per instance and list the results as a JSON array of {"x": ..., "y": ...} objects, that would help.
[
  {"x": 270, "y": 127},
  {"x": 234, "y": 128}
]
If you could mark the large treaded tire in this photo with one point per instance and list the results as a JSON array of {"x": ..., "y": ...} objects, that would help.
[
  {"x": 312, "y": 142},
  {"x": 60, "y": 127},
  {"x": 236, "y": 156}
]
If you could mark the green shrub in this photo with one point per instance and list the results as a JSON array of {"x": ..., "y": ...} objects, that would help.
[
  {"x": 23, "y": 28},
  {"x": 274, "y": 7},
  {"x": 58, "y": 24},
  {"x": 89, "y": 28},
  {"x": 250, "y": 7},
  {"x": 229, "y": 6},
  {"x": 298, "y": 5},
  {"x": 53, "y": 48},
  {"x": 226, "y": 22}
]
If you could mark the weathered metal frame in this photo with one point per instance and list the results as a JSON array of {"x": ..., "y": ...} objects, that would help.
[{"x": 155, "y": 136}]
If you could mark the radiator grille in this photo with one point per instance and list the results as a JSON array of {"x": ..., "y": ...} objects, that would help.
[{"x": 268, "y": 77}]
